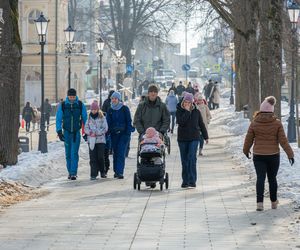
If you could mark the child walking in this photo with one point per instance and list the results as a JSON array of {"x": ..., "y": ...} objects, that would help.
[{"x": 95, "y": 129}]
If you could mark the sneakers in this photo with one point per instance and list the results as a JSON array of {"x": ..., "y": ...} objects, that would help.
[
  {"x": 274, "y": 204},
  {"x": 73, "y": 177},
  {"x": 103, "y": 175},
  {"x": 93, "y": 178},
  {"x": 184, "y": 185},
  {"x": 192, "y": 185},
  {"x": 69, "y": 177},
  {"x": 118, "y": 176},
  {"x": 260, "y": 206}
]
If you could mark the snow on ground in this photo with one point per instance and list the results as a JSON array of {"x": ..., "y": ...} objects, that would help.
[{"x": 36, "y": 169}]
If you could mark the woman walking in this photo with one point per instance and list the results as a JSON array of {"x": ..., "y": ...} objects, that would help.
[
  {"x": 171, "y": 102},
  {"x": 190, "y": 124},
  {"x": 95, "y": 129},
  {"x": 266, "y": 133},
  {"x": 206, "y": 116},
  {"x": 120, "y": 128}
]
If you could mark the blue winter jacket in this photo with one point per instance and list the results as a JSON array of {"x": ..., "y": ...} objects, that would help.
[
  {"x": 119, "y": 121},
  {"x": 70, "y": 119},
  {"x": 171, "y": 102}
]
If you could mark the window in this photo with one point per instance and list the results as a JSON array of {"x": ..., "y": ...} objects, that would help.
[{"x": 33, "y": 15}]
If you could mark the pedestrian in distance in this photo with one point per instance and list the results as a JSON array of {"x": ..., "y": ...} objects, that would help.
[
  {"x": 265, "y": 133},
  {"x": 180, "y": 89},
  {"x": 36, "y": 118},
  {"x": 172, "y": 88},
  {"x": 171, "y": 102},
  {"x": 206, "y": 116},
  {"x": 216, "y": 96},
  {"x": 107, "y": 102},
  {"x": 27, "y": 115},
  {"x": 120, "y": 128},
  {"x": 190, "y": 89},
  {"x": 47, "y": 110},
  {"x": 209, "y": 94},
  {"x": 95, "y": 129},
  {"x": 70, "y": 116},
  {"x": 152, "y": 113},
  {"x": 190, "y": 124}
]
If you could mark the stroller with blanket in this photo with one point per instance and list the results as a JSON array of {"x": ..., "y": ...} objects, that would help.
[{"x": 151, "y": 162}]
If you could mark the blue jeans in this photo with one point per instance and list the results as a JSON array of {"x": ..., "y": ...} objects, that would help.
[
  {"x": 72, "y": 143},
  {"x": 173, "y": 116},
  {"x": 119, "y": 146},
  {"x": 201, "y": 141},
  {"x": 188, "y": 155}
]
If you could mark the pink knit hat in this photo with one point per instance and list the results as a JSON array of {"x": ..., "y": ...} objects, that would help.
[
  {"x": 94, "y": 105},
  {"x": 268, "y": 104}
]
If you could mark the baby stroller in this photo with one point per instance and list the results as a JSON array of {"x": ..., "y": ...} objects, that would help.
[{"x": 150, "y": 166}]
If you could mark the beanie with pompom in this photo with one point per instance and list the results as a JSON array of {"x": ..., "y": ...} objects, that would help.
[{"x": 268, "y": 104}]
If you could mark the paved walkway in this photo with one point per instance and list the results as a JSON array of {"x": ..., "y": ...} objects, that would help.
[{"x": 109, "y": 214}]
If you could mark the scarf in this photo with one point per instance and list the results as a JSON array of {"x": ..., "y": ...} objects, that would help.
[
  {"x": 117, "y": 106},
  {"x": 94, "y": 116}
]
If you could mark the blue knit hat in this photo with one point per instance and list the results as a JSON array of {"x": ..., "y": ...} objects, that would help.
[{"x": 116, "y": 95}]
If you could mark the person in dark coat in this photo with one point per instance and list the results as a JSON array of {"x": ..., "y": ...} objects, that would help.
[
  {"x": 190, "y": 124},
  {"x": 47, "y": 110},
  {"x": 190, "y": 89},
  {"x": 209, "y": 93},
  {"x": 106, "y": 103},
  {"x": 27, "y": 115},
  {"x": 120, "y": 129},
  {"x": 173, "y": 88},
  {"x": 180, "y": 89}
]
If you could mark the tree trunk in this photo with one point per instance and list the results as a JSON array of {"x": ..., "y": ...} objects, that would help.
[{"x": 10, "y": 68}]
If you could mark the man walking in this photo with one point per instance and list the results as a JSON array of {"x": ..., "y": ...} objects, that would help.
[
  {"x": 69, "y": 118},
  {"x": 152, "y": 113},
  {"x": 47, "y": 109}
]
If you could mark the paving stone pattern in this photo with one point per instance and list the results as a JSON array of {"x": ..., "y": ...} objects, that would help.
[{"x": 109, "y": 214}]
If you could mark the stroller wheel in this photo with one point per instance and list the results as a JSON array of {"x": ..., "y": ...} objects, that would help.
[
  {"x": 161, "y": 187},
  {"x": 153, "y": 185},
  {"x": 167, "y": 180},
  {"x": 134, "y": 181},
  {"x": 139, "y": 186}
]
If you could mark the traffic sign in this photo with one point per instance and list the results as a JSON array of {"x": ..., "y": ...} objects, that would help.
[
  {"x": 129, "y": 68},
  {"x": 186, "y": 67}
]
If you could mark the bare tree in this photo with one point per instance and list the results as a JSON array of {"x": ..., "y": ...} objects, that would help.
[{"x": 10, "y": 64}]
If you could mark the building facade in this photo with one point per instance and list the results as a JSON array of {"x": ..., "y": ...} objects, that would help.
[{"x": 56, "y": 63}]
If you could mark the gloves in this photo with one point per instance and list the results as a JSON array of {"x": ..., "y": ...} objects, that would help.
[
  {"x": 84, "y": 137},
  {"x": 60, "y": 135},
  {"x": 292, "y": 161},
  {"x": 248, "y": 155}
]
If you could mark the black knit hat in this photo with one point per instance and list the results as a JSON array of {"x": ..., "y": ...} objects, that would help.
[
  {"x": 71, "y": 92},
  {"x": 153, "y": 88}
]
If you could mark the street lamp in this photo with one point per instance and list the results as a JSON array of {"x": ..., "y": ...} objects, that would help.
[
  {"x": 100, "y": 45},
  {"x": 69, "y": 32},
  {"x": 133, "y": 51},
  {"x": 118, "y": 75},
  {"x": 42, "y": 26},
  {"x": 231, "y": 45},
  {"x": 293, "y": 11}
]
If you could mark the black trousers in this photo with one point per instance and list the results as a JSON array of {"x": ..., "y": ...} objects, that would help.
[
  {"x": 97, "y": 159},
  {"x": 27, "y": 125},
  {"x": 266, "y": 165},
  {"x": 106, "y": 159}
]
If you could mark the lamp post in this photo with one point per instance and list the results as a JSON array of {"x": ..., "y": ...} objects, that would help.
[
  {"x": 41, "y": 26},
  {"x": 231, "y": 45},
  {"x": 69, "y": 33},
  {"x": 133, "y": 52},
  {"x": 100, "y": 45},
  {"x": 118, "y": 77},
  {"x": 293, "y": 11}
]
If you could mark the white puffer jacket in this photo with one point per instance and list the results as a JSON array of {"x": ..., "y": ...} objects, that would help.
[{"x": 97, "y": 127}]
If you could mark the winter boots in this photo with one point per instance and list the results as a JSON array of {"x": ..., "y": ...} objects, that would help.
[
  {"x": 274, "y": 204},
  {"x": 260, "y": 206}
]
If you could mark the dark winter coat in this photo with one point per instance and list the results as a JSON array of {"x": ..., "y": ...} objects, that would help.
[
  {"x": 174, "y": 89},
  {"x": 190, "y": 124},
  {"x": 180, "y": 89},
  {"x": 28, "y": 113},
  {"x": 47, "y": 108},
  {"x": 119, "y": 121},
  {"x": 190, "y": 89},
  {"x": 152, "y": 115},
  {"x": 266, "y": 133},
  {"x": 209, "y": 90},
  {"x": 106, "y": 103}
]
